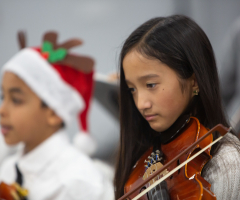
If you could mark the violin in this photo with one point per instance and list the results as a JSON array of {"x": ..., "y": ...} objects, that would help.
[
  {"x": 12, "y": 192},
  {"x": 165, "y": 164}
]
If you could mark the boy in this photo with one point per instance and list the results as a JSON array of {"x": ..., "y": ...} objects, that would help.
[{"x": 39, "y": 98}]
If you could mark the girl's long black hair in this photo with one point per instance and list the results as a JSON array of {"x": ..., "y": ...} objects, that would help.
[{"x": 181, "y": 44}]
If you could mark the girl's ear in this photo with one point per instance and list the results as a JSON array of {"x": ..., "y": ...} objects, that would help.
[
  {"x": 195, "y": 88},
  {"x": 53, "y": 119}
]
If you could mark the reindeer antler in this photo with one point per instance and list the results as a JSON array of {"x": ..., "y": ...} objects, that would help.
[
  {"x": 70, "y": 43},
  {"x": 81, "y": 63},
  {"x": 51, "y": 36},
  {"x": 21, "y": 39}
]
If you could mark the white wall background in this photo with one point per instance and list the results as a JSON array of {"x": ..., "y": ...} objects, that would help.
[{"x": 104, "y": 25}]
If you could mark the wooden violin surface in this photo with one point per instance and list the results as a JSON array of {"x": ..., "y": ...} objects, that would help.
[
  {"x": 187, "y": 182},
  {"x": 12, "y": 192}
]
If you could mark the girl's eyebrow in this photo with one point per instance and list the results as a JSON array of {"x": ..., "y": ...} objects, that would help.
[
  {"x": 148, "y": 76},
  {"x": 142, "y": 78}
]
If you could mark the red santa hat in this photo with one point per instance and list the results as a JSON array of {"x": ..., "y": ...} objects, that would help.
[{"x": 62, "y": 80}]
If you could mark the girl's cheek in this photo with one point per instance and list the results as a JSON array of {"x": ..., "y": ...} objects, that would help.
[{"x": 165, "y": 98}]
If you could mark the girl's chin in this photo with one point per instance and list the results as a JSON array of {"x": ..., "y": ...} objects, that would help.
[{"x": 156, "y": 127}]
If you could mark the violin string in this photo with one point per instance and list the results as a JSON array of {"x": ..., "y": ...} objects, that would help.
[
  {"x": 157, "y": 191},
  {"x": 161, "y": 190},
  {"x": 160, "y": 185},
  {"x": 177, "y": 168}
]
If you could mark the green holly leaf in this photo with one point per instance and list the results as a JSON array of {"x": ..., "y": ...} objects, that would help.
[
  {"x": 47, "y": 47},
  {"x": 57, "y": 55},
  {"x": 54, "y": 55}
]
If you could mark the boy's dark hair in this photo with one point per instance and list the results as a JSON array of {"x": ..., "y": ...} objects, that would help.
[
  {"x": 44, "y": 105},
  {"x": 181, "y": 44}
]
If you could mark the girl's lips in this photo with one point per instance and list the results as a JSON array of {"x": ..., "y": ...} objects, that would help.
[
  {"x": 149, "y": 117},
  {"x": 5, "y": 129}
]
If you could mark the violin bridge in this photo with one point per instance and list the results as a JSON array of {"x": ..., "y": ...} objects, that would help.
[{"x": 152, "y": 169}]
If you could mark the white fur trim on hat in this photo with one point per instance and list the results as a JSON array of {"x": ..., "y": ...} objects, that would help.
[
  {"x": 85, "y": 143},
  {"x": 46, "y": 82}
]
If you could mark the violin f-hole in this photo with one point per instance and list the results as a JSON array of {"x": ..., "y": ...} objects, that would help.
[{"x": 178, "y": 163}]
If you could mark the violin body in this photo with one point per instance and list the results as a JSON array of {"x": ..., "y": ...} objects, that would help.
[
  {"x": 187, "y": 182},
  {"x": 6, "y": 191},
  {"x": 12, "y": 192}
]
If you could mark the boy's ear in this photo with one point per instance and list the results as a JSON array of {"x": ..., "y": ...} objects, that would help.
[
  {"x": 53, "y": 119},
  {"x": 195, "y": 88}
]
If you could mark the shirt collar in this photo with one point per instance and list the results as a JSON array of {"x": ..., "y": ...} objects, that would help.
[{"x": 37, "y": 159}]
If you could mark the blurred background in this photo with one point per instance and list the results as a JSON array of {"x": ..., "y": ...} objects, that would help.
[{"x": 103, "y": 26}]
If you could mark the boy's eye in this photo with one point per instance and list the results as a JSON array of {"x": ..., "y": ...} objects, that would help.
[
  {"x": 1, "y": 98},
  {"x": 151, "y": 85},
  {"x": 16, "y": 101}
]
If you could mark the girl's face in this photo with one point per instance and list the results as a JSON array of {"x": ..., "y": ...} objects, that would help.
[{"x": 156, "y": 90}]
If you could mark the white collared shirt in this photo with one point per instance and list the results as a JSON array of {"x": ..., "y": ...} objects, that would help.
[
  {"x": 3, "y": 148},
  {"x": 55, "y": 170}
]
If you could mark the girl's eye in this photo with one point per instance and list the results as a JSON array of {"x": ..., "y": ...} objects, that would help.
[
  {"x": 151, "y": 85},
  {"x": 131, "y": 90}
]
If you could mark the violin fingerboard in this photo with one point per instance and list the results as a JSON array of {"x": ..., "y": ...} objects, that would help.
[{"x": 160, "y": 192}]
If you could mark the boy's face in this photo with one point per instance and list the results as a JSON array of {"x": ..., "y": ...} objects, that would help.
[{"x": 22, "y": 117}]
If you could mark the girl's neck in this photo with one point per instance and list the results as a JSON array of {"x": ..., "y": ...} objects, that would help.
[{"x": 173, "y": 131}]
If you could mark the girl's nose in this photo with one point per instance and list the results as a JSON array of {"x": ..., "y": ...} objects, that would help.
[{"x": 143, "y": 102}]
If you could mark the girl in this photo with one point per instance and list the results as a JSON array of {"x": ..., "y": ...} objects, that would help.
[{"x": 167, "y": 70}]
